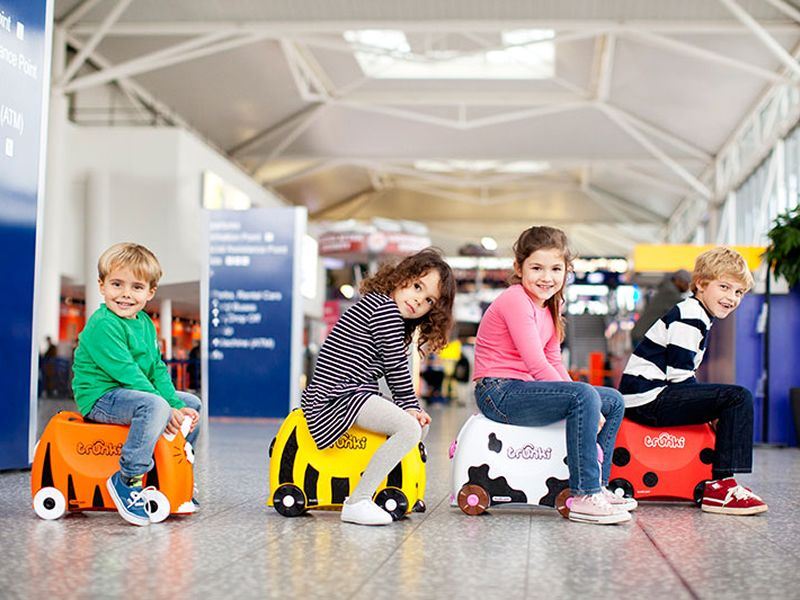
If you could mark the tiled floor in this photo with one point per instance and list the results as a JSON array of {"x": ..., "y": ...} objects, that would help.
[{"x": 236, "y": 547}]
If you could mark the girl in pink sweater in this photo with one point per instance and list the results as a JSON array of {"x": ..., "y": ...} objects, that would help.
[{"x": 520, "y": 378}]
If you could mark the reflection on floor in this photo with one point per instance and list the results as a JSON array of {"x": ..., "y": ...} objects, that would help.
[{"x": 236, "y": 547}]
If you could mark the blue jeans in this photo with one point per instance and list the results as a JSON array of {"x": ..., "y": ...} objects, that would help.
[
  {"x": 148, "y": 415},
  {"x": 692, "y": 403},
  {"x": 537, "y": 403}
]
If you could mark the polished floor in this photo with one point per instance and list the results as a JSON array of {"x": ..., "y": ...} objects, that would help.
[{"x": 236, "y": 547}]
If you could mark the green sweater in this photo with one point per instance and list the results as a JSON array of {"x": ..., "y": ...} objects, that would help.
[{"x": 119, "y": 353}]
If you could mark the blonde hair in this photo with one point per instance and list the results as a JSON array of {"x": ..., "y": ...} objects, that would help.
[
  {"x": 138, "y": 259},
  {"x": 718, "y": 262}
]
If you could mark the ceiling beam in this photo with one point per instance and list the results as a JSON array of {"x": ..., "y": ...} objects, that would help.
[
  {"x": 284, "y": 28},
  {"x": 159, "y": 59},
  {"x": 300, "y": 127},
  {"x": 264, "y": 134},
  {"x": 762, "y": 34},
  {"x": 657, "y": 132},
  {"x": 786, "y": 8},
  {"x": 135, "y": 90},
  {"x": 85, "y": 52},
  {"x": 603, "y": 66},
  {"x": 653, "y": 39},
  {"x": 77, "y": 13},
  {"x": 654, "y": 150}
]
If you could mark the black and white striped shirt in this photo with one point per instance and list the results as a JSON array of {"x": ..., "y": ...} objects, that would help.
[
  {"x": 364, "y": 345},
  {"x": 670, "y": 352}
]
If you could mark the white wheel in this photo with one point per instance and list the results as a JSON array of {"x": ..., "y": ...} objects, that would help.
[
  {"x": 49, "y": 503},
  {"x": 157, "y": 504}
]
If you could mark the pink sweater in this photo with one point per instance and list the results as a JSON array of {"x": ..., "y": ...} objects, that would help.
[{"x": 517, "y": 340}]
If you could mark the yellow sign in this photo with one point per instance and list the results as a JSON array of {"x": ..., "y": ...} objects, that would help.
[{"x": 665, "y": 258}]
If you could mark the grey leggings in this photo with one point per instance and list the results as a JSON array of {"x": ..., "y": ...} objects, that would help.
[{"x": 383, "y": 416}]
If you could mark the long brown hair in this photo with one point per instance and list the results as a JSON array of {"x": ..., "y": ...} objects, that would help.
[
  {"x": 545, "y": 238},
  {"x": 434, "y": 326}
]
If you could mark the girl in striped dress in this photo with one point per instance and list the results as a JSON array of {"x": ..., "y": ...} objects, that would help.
[{"x": 368, "y": 342}]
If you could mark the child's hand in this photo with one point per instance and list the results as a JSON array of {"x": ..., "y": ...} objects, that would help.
[
  {"x": 190, "y": 412},
  {"x": 601, "y": 423},
  {"x": 420, "y": 415},
  {"x": 175, "y": 421}
]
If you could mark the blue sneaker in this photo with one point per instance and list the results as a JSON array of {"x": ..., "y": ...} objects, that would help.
[{"x": 128, "y": 500}]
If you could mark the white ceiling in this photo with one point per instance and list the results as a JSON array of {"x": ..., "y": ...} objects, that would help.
[{"x": 646, "y": 93}]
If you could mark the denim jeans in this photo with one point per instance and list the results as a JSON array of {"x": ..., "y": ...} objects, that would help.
[
  {"x": 537, "y": 403},
  {"x": 692, "y": 403},
  {"x": 148, "y": 415}
]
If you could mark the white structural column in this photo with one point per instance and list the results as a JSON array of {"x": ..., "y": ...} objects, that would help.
[
  {"x": 97, "y": 233},
  {"x": 49, "y": 301},
  {"x": 165, "y": 324}
]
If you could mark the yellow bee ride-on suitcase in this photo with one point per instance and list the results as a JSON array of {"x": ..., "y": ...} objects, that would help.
[{"x": 302, "y": 477}]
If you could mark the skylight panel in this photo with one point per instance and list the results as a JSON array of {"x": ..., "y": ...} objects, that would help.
[{"x": 386, "y": 54}]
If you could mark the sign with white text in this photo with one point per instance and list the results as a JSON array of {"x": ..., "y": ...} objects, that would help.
[
  {"x": 25, "y": 30},
  {"x": 253, "y": 311}
]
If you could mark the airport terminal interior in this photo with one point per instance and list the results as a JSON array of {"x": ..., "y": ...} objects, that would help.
[{"x": 274, "y": 157}]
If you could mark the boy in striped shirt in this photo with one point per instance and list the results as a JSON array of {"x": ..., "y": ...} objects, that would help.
[{"x": 660, "y": 389}]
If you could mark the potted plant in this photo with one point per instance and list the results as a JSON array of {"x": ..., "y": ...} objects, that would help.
[
  {"x": 783, "y": 252},
  {"x": 783, "y": 259}
]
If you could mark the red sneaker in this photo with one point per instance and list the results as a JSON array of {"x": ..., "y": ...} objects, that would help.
[{"x": 726, "y": 497}]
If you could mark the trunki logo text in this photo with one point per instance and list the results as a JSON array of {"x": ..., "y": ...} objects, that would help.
[
  {"x": 351, "y": 442},
  {"x": 99, "y": 448},
  {"x": 530, "y": 452},
  {"x": 664, "y": 440}
]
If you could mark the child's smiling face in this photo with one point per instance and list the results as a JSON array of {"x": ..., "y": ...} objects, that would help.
[
  {"x": 416, "y": 298},
  {"x": 542, "y": 274},
  {"x": 721, "y": 296},
  {"x": 124, "y": 293}
]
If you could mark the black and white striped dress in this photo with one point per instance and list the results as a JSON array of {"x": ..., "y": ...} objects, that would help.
[
  {"x": 670, "y": 353},
  {"x": 364, "y": 345}
]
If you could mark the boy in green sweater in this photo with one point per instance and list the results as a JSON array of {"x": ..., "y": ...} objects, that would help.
[{"x": 119, "y": 376}]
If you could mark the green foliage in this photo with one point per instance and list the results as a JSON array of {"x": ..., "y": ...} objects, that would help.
[{"x": 783, "y": 252}]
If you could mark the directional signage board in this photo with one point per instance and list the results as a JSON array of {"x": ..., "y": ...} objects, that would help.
[
  {"x": 251, "y": 300},
  {"x": 25, "y": 31}
]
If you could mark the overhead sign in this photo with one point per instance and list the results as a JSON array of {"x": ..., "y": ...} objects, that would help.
[
  {"x": 253, "y": 312},
  {"x": 25, "y": 31},
  {"x": 665, "y": 258}
]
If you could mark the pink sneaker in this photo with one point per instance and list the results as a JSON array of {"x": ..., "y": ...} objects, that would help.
[
  {"x": 726, "y": 497},
  {"x": 596, "y": 509},
  {"x": 622, "y": 502}
]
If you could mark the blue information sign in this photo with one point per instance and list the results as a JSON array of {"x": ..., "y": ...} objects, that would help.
[
  {"x": 253, "y": 311},
  {"x": 25, "y": 30}
]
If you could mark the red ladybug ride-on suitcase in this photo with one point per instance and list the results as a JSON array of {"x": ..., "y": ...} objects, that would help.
[{"x": 662, "y": 463}]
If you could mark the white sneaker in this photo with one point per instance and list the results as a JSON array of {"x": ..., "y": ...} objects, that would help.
[
  {"x": 365, "y": 512},
  {"x": 622, "y": 502},
  {"x": 597, "y": 510}
]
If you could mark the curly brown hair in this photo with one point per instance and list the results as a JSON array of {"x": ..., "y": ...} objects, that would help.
[
  {"x": 434, "y": 327},
  {"x": 545, "y": 238}
]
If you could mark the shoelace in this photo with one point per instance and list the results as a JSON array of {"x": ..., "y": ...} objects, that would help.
[
  {"x": 137, "y": 499},
  {"x": 598, "y": 499},
  {"x": 742, "y": 493}
]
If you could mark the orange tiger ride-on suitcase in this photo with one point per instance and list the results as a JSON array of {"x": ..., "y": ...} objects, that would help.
[
  {"x": 74, "y": 458},
  {"x": 662, "y": 463}
]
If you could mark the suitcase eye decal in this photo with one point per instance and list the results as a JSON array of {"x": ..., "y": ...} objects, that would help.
[{"x": 495, "y": 445}]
